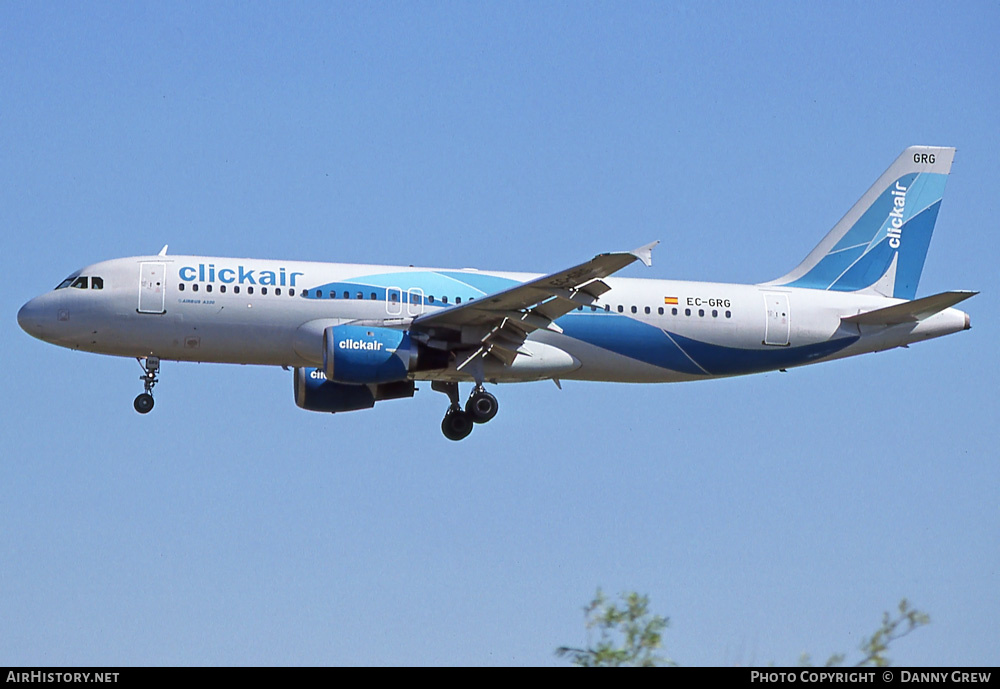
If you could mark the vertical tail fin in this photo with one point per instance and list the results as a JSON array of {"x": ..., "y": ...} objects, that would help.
[{"x": 881, "y": 244}]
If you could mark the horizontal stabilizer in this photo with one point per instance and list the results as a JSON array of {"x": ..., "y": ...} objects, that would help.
[{"x": 910, "y": 311}]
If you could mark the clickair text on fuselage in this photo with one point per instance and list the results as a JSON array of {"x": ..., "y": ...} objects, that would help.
[{"x": 239, "y": 275}]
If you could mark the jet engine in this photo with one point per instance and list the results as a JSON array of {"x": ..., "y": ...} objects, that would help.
[
  {"x": 315, "y": 393},
  {"x": 359, "y": 355}
]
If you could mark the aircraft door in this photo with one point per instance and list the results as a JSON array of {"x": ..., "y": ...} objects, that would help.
[
  {"x": 415, "y": 302},
  {"x": 152, "y": 288},
  {"x": 394, "y": 301},
  {"x": 778, "y": 323}
]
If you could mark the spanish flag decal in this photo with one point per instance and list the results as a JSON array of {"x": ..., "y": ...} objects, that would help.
[{"x": 669, "y": 300}]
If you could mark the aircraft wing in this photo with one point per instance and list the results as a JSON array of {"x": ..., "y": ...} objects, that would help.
[{"x": 497, "y": 324}]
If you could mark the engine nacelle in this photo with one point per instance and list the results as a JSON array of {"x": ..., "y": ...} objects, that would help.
[
  {"x": 360, "y": 355},
  {"x": 315, "y": 393}
]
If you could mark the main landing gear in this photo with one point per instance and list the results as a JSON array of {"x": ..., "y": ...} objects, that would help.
[
  {"x": 144, "y": 402},
  {"x": 458, "y": 423}
]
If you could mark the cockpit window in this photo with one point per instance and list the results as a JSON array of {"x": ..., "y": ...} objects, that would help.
[{"x": 82, "y": 282}]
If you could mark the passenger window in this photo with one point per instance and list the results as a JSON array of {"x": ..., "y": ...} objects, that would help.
[
  {"x": 687, "y": 312},
  {"x": 374, "y": 296},
  {"x": 180, "y": 287},
  {"x": 701, "y": 312},
  {"x": 249, "y": 290},
  {"x": 361, "y": 295},
  {"x": 458, "y": 300},
  {"x": 634, "y": 310},
  {"x": 222, "y": 288},
  {"x": 729, "y": 314},
  {"x": 80, "y": 283},
  {"x": 97, "y": 283},
  {"x": 277, "y": 291},
  {"x": 673, "y": 311},
  {"x": 194, "y": 287},
  {"x": 347, "y": 295},
  {"x": 263, "y": 290},
  {"x": 715, "y": 314},
  {"x": 393, "y": 297},
  {"x": 607, "y": 307},
  {"x": 208, "y": 287},
  {"x": 660, "y": 310},
  {"x": 647, "y": 309},
  {"x": 444, "y": 300},
  {"x": 236, "y": 289},
  {"x": 430, "y": 299},
  {"x": 621, "y": 309},
  {"x": 291, "y": 293}
]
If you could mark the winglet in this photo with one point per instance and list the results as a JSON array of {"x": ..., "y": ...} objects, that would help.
[
  {"x": 163, "y": 251},
  {"x": 645, "y": 253}
]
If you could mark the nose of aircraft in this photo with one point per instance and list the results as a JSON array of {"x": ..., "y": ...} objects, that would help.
[{"x": 30, "y": 318}]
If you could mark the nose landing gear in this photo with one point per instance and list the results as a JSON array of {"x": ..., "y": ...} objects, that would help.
[
  {"x": 151, "y": 366},
  {"x": 458, "y": 423}
]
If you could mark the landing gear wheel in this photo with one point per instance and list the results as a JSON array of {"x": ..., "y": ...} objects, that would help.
[
  {"x": 143, "y": 403},
  {"x": 482, "y": 406},
  {"x": 457, "y": 424}
]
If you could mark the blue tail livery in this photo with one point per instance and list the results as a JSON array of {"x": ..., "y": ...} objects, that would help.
[{"x": 881, "y": 244}]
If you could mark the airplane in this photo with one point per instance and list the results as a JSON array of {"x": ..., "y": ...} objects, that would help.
[{"x": 355, "y": 335}]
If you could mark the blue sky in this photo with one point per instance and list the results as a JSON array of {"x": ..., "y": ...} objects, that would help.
[{"x": 766, "y": 516}]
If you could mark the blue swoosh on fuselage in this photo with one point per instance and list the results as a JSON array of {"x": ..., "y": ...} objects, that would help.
[
  {"x": 628, "y": 337},
  {"x": 722, "y": 361},
  {"x": 436, "y": 288},
  {"x": 651, "y": 345}
]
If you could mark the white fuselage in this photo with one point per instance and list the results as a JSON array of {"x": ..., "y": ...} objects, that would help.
[{"x": 248, "y": 311}]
